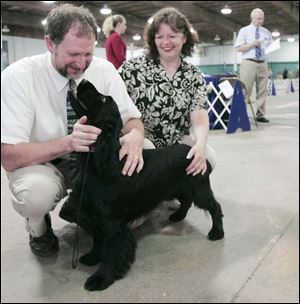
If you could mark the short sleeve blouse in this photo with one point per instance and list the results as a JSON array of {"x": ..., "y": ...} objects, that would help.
[{"x": 165, "y": 103}]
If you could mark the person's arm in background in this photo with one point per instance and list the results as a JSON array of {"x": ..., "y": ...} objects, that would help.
[
  {"x": 242, "y": 45},
  {"x": 119, "y": 49},
  {"x": 247, "y": 46}
]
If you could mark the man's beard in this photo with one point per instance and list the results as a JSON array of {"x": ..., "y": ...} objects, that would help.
[{"x": 63, "y": 71}]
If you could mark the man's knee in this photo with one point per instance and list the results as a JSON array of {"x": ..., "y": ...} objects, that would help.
[{"x": 36, "y": 194}]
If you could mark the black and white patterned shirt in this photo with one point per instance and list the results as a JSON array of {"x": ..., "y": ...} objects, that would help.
[{"x": 165, "y": 103}]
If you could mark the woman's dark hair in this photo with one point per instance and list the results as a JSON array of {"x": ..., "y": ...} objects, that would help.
[
  {"x": 63, "y": 17},
  {"x": 178, "y": 22}
]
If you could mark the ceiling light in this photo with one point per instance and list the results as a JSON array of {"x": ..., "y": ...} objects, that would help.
[
  {"x": 136, "y": 37},
  {"x": 217, "y": 38},
  {"x": 44, "y": 21},
  {"x": 275, "y": 34},
  {"x": 48, "y": 2},
  {"x": 226, "y": 10},
  {"x": 192, "y": 30},
  {"x": 291, "y": 39},
  {"x": 5, "y": 29},
  {"x": 105, "y": 10},
  {"x": 98, "y": 29}
]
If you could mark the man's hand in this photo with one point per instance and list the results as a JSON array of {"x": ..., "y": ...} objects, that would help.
[
  {"x": 83, "y": 135},
  {"x": 132, "y": 146},
  {"x": 256, "y": 42}
]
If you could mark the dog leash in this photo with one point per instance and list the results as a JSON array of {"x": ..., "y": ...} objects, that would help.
[{"x": 76, "y": 240}]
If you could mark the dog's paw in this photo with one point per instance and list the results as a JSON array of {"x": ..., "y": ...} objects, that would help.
[
  {"x": 176, "y": 217},
  {"x": 215, "y": 234},
  {"x": 97, "y": 282},
  {"x": 90, "y": 259}
]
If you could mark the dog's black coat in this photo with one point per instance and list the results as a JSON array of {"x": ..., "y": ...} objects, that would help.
[{"x": 111, "y": 200}]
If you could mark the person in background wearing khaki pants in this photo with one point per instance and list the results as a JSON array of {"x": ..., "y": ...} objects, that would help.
[{"x": 251, "y": 42}]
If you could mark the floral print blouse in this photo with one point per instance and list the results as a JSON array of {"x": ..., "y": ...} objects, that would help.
[{"x": 165, "y": 103}]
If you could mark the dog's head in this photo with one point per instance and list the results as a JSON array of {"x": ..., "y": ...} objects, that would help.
[{"x": 101, "y": 111}]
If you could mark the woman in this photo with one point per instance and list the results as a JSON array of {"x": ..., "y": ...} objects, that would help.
[
  {"x": 170, "y": 93},
  {"x": 113, "y": 27}
]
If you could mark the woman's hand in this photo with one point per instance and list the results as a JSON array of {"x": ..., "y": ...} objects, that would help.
[
  {"x": 198, "y": 164},
  {"x": 200, "y": 125},
  {"x": 132, "y": 146}
]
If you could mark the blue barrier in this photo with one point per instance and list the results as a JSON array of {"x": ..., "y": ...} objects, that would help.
[{"x": 238, "y": 117}]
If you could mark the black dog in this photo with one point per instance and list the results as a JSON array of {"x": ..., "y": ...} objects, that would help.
[{"x": 111, "y": 200}]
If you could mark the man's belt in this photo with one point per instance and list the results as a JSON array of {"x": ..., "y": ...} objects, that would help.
[{"x": 257, "y": 61}]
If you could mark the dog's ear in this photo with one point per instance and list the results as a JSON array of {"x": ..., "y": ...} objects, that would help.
[
  {"x": 107, "y": 146},
  {"x": 106, "y": 156}
]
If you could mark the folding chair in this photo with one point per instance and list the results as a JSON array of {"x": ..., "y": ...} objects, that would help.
[{"x": 232, "y": 80}]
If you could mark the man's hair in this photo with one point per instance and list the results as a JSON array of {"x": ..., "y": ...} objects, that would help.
[
  {"x": 111, "y": 22},
  {"x": 65, "y": 16},
  {"x": 255, "y": 12},
  {"x": 178, "y": 22}
]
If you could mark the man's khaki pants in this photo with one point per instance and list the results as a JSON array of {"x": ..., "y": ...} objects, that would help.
[{"x": 252, "y": 72}]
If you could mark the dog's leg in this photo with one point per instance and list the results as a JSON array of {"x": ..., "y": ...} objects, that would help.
[
  {"x": 118, "y": 253},
  {"x": 216, "y": 232},
  {"x": 204, "y": 199},
  {"x": 180, "y": 214},
  {"x": 94, "y": 256}
]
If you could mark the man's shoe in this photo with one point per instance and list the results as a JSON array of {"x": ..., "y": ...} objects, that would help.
[
  {"x": 47, "y": 244},
  {"x": 262, "y": 119}
]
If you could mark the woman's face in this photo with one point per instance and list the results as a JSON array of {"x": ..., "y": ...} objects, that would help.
[
  {"x": 169, "y": 43},
  {"x": 122, "y": 27}
]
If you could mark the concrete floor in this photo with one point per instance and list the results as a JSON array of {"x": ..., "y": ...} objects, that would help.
[{"x": 256, "y": 182}]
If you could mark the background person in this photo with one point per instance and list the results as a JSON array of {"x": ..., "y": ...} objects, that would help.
[
  {"x": 113, "y": 27},
  {"x": 169, "y": 92},
  {"x": 34, "y": 137},
  {"x": 251, "y": 42},
  {"x": 285, "y": 73}
]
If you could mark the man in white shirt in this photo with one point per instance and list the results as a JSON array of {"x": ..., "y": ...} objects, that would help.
[
  {"x": 251, "y": 42},
  {"x": 34, "y": 135}
]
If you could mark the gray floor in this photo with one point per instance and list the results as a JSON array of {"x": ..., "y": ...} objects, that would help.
[{"x": 256, "y": 182}]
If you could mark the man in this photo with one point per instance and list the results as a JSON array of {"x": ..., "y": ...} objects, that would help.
[
  {"x": 252, "y": 41},
  {"x": 34, "y": 138}
]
